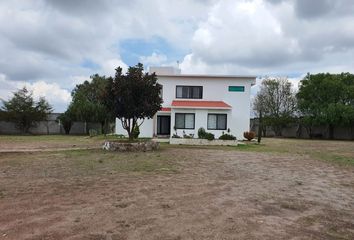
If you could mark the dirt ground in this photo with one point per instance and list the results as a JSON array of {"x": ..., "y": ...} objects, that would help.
[
  {"x": 46, "y": 143},
  {"x": 174, "y": 193}
]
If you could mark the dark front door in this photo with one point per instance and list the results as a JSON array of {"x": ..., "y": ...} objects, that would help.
[{"x": 163, "y": 125}]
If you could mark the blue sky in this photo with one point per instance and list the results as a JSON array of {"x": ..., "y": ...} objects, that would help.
[
  {"x": 132, "y": 50},
  {"x": 49, "y": 46}
]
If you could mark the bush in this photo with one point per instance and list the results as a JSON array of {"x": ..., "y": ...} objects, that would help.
[
  {"x": 209, "y": 136},
  {"x": 136, "y": 132},
  {"x": 205, "y": 135},
  {"x": 227, "y": 137},
  {"x": 201, "y": 132},
  {"x": 249, "y": 135},
  {"x": 93, "y": 132}
]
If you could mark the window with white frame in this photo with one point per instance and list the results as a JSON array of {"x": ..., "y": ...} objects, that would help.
[
  {"x": 217, "y": 121},
  {"x": 184, "y": 120}
]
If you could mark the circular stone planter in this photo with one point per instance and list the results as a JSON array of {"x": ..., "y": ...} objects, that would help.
[{"x": 120, "y": 146}]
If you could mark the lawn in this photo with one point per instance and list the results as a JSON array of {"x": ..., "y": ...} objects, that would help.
[
  {"x": 283, "y": 188},
  {"x": 49, "y": 142},
  {"x": 341, "y": 152}
]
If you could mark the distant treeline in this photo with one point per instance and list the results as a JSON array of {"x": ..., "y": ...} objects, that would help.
[{"x": 323, "y": 101}]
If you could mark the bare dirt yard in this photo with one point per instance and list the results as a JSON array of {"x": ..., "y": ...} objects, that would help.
[
  {"x": 282, "y": 189},
  {"x": 30, "y": 143}
]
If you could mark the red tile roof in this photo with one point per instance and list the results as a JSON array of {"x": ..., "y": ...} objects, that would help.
[
  {"x": 165, "y": 109},
  {"x": 200, "y": 104}
]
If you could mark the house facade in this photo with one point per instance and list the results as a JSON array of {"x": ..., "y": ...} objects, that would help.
[{"x": 218, "y": 103}]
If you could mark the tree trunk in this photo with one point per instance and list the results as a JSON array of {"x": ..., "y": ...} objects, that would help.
[
  {"x": 264, "y": 130},
  {"x": 102, "y": 128},
  {"x": 299, "y": 130},
  {"x": 26, "y": 129},
  {"x": 260, "y": 127},
  {"x": 277, "y": 131},
  {"x": 126, "y": 124},
  {"x": 130, "y": 133},
  {"x": 309, "y": 131}
]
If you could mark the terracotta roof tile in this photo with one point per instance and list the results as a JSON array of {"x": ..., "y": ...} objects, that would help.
[
  {"x": 165, "y": 109},
  {"x": 200, "y": 104}
]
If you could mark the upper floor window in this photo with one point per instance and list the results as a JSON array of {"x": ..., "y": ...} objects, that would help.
[{"x": 195, "y": 92}]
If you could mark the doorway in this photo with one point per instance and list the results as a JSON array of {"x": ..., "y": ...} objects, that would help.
[{"x": 163, "y": 125}]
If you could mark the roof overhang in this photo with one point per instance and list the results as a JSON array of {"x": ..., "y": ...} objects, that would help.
[
  {"x": 192, "y": 104},
  {"x": 206, "y": 76},
  {"x": 251, "y": 78},
  {"x": 165, "y": 109}
]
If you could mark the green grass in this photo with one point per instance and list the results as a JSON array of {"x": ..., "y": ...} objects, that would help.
[
  {"x": 335, "y": 158},
  {"x": 339, "y": 152},
  {"x": 65, "y": 139},
  {"x": 72, "y": 163}
]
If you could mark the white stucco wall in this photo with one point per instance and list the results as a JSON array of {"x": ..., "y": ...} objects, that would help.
[
  {"x": 201, "y": 120},
  {"x": 214, "y": 89},
  {"x": 146, "y": 129}
]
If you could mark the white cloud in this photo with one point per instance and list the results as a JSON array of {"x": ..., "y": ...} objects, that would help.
[
  {"x": 49, "y": 40},
  {"x": 78, "y": 80},
  {"x": 109, "y": 66},
  {"x": 154, "y": 59},
  {"x": 52, "y": 92},
  {"x": 260, "y": 38}
]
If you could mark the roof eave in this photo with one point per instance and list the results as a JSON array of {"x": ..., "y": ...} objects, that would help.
[
  {"x": 195, "y": 107},
  {"x": 207, "y": 76}
]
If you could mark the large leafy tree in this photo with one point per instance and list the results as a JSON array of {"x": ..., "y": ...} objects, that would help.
[
  {"x": 24, "y": 111},
  {"x": 136, "y": 96},
  {"x": 67, "y": 119},
  {"x": 89, "y": 103},
  {"x": 276, "y": 102},
  {"x": 327, "y": 99}
]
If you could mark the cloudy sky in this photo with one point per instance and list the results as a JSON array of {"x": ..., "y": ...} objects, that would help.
[{"x": 51, "y": 45}]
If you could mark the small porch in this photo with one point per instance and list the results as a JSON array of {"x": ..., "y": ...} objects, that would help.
[{"x": 162, "y": 124}]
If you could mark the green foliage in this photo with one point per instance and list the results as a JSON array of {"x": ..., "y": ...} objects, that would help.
[
  {"x": 66, "y": 120},
  {"x": 93, "y": 132},
  {"x": 205, "y": 135},
  {"x": 277, "y": 102},
  {"x": 136, "y": 132},
  {"x": 226, "y": 136},
  {"x": 24, "y": 111},
  {"x": 201, "y": 132},
  {"x": 136, "y": 96},
  {"x": 327, "y": 99},
  {"x": 3, "y": 115},
  {"x": 91, "y": 101},
  {"x": 209, "y": 136}
]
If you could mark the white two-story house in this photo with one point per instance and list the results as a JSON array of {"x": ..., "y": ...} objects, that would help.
[{"x": 217, "y": 103}]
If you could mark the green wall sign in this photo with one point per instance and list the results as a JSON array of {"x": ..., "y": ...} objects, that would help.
[{"x": 236, "y": 88}]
